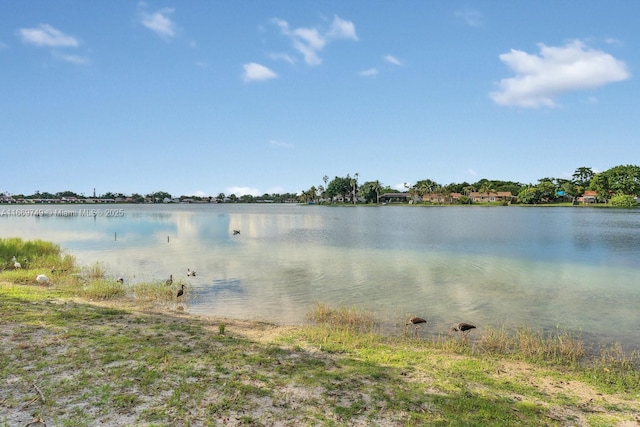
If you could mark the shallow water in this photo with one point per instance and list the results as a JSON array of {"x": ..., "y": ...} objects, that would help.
[{"x": 573, "y": 268}]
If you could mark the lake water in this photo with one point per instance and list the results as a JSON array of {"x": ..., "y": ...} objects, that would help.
[{"x": 575, "y": 268}]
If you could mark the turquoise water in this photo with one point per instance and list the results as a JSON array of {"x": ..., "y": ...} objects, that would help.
[{"x": 573, "y": 268}]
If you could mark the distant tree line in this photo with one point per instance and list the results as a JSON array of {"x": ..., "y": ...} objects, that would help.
[{"x": 619, "y": 186}]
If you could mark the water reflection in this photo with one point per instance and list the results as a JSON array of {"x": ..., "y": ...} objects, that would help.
[{"x": 573, "y": 268}]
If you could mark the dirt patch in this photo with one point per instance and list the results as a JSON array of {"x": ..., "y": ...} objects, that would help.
[{"x": 585, "y": 400}]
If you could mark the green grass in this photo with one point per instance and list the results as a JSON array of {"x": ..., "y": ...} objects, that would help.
[{"x": 156, "y": 369}]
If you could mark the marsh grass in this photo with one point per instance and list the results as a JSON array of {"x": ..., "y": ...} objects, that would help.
[
  {"x": 91, "y": 282},
  {"x": 343, "y": 317},
  {"x": 615, "y": 369},
  {"x": 154, "y": 292},
  {"x": 557, "y": 346},
  {"x": 31, "y": 250},
  {"x": 101, "y": 289},
  {"x": 96, "y": 271}
]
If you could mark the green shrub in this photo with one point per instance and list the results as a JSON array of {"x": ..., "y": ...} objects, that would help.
[{"x": 624, "y": 201}]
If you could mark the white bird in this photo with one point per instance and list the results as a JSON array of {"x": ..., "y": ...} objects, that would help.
[
  {"x": 42, "y": 279},
  {"x": 16, "y": 264},
  {"x": 191, "y": 273}
]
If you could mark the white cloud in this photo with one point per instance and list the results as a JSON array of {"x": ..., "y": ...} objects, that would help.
[
  {"x": 369, "y": 72},
  {"x": 159, "y": 22},
  {"x": 341, "y": 29},
  {"x": 282, "y": 57},
  {"x": 242, "y": 191},
  {"x": 310, "y": 41},
  {"x": 541, "y": 78},
  {"x": 73, "y": 59},
  {"x": 613, "y": 41},
  {"x": 472, "y": 18},
  {"x": 256, "y": 72},
  {"x": 280, "y": 144},
  {"x": 472, "y": 172},
  {"x": 46, "y": 35},
  {"x": 392, "y": 60}
]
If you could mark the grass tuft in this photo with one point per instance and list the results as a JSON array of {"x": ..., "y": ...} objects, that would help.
[
  {"x": 557, "y": 346},
  {"x": 97, "y": 290},
  {"x": 343, "y": 317},
  {"x": 96, "y": 271}
]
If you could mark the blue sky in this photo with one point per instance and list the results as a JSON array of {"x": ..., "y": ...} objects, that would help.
[{"x": 254, "y": 97}]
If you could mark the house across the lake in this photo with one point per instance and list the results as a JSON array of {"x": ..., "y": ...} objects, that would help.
[
  {"x": 475, "y": 197},
  {"x": 394, "y": 197},
  {"x": 589, "y": 196},
  {"x": 488, "y": 197}
]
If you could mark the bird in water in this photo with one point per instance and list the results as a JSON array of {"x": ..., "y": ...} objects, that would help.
[
  {"x": 236, "y": 232},
  {"x": 180, "y": 292},
  {"x": 169, "y": 281},
  {"x": 416, "y": 321},
  {"x": 462, "y": 327},
  {"x": 191, "y": 273}
]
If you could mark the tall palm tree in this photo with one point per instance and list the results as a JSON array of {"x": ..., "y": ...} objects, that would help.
[
  {"x": 354, "y": 186},
  {"x": 468, "y": 190},
  {"x": 376, "y": 188},
  {"x": 487, "y": 187}
]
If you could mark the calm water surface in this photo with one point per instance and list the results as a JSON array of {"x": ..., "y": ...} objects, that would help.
[{"x": 574, "y": 268}]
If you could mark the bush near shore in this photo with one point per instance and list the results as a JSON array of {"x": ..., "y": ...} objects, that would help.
[{"x": 87, "y": 350}]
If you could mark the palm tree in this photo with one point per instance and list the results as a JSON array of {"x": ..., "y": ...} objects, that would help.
[
  {"x": 487, "y": 187},
  {"x": 313, "y": 192},
  {"x": 413, "y": 191},
  {"x": 468, "y": 190},
  {"x": 376, "y": 188},
  {"x": 354, "y": 186}
]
